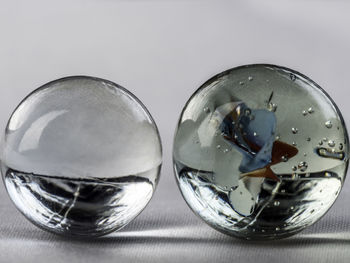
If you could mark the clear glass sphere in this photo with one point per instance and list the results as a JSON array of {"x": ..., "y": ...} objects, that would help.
[
  {"x": 260, "y": 152},
  {"x": 81, "y": 156}
]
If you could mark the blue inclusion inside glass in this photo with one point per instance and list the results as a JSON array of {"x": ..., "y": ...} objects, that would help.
[{"x": 258, "y": 129}]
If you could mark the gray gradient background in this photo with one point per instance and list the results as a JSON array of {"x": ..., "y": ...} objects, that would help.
[{"x": 162, "y": 51}]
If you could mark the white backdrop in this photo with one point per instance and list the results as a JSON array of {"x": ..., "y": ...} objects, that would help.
[{"x": 162, "y": 51}]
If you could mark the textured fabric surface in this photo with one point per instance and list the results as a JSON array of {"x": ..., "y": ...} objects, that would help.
[{"x": 162, "y": 51}]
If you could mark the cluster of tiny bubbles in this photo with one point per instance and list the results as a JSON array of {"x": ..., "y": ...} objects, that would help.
[{"x": 288, "y": 179}]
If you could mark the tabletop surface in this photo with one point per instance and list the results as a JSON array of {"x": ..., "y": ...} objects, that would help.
[{"x": 162, "y": 51}]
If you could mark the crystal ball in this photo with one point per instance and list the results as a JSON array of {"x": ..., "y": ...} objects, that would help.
[
  {"x": 80, "y": 156},
  {"x": 260, "y": 152}
]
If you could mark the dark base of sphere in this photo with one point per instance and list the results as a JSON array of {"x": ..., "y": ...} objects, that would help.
[
  {"x": 260, "y": 238},
  {"x": 78, "y": 207},
  {"x": 279, "y": 212}
]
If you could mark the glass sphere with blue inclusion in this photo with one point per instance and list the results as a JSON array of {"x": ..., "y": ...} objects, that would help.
[{"x": 260, "y": 152}]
